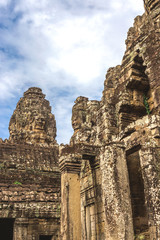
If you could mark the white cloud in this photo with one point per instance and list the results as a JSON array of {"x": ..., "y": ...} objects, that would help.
[
  {"x": 136, "y": 5},
  {"x": 81, "y": 46},
  {"x": 64, "y": 47},
  {"x": 4, "y": 3},
  {"x": 130, "y": 5}
]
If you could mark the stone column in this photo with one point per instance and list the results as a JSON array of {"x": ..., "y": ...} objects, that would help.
[
  {"x": 93, "y": 222},
  {"x": 70, "y": 197},
  {"x": 21, "y": 229},
  {"x": 116, "y": 193},
  {"x": 150, "y": 158},
  {"x": 88, "y": 223},
  {"x": 33, "y": 229}
]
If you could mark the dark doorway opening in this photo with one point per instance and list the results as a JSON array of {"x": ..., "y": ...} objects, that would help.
[
  {"x": 45, "y": 237},
  {"x": 6, "y": 228},
  {"x": 139, "y": 210}
]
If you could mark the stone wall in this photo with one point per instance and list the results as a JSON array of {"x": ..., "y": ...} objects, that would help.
[
  {"x": 118, "y": 139},
  {"x": 29, "y": 179},
  {"x": 29, "y": 172},
  {"x": 110, "y": 171}
]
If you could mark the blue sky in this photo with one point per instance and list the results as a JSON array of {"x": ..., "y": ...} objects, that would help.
[{"x": 62, "y": 46}]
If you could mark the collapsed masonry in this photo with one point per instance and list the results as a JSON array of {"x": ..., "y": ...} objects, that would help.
[{"x": 110, "y": 172}]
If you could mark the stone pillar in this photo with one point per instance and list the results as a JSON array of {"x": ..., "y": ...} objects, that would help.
[
  {"x": 70, "y": 197},
  {"x": 93, "y": 222},
  {"x": 88, "y": 223},
  {"x": 21, "y": 229},
  {"x": 150, "y": 158},
  {"x": 116, "y": 193},
  {"x": 33, "y": 229}
]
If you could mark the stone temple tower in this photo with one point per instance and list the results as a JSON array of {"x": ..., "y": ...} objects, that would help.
[
  {"x": 104, "y": 185},
  {"x": 32, "y": 121},
  {"x": 29, "y": 172},
  {"x": 110, "y": 172}
]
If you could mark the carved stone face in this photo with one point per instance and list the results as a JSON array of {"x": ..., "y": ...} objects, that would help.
[
  {"x": 76, "y": 121},
  {"x": 78, "y": 118},
  {"x": 32, "y": 121},
  {"x": 39, "y": 124}
]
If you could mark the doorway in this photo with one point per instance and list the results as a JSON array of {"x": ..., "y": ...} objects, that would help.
[
  {"x": 139, "y": 210},
  {"x": 6, "y": 228},
  {"x": 45, "y": 237}
]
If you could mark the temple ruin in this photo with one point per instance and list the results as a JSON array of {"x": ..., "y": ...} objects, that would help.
[{"x": 104, "y": 185}]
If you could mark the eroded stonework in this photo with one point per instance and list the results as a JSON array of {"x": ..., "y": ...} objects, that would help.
[
  {"x": 110, "y": 171},
  {"x": 29, "y": 172},
  {"x": 32, "y": 121},
  {"x": 114, "y": 151}
]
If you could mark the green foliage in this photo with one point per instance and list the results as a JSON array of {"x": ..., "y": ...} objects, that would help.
[
  {"x": 145, "y": 101},
  {"x": 140, "y": 237},
  {"x": 58, "y": 207},
  {"x": 58, "y": 210},
  {"x": 18, "y": 183},
  {"x": 1, "y": 165}
]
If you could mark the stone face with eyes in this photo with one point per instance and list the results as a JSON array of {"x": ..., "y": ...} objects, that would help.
[
  {"x": 32, "y": 120},
  {"x": 79, "y": 112}
]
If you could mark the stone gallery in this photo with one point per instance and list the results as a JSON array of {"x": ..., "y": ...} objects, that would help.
[{"x": 104, "y": 185}]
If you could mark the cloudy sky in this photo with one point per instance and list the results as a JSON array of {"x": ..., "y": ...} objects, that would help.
[{"x": 62, "y": 46}]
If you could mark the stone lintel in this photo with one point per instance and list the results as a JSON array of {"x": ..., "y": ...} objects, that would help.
[
  {"x": 70, "y": 165},
  {"x": 71, "y": 156},
  {"x": 22, "y": 221},
  {"x": 115, "y": 144},
  {"x": 80, "y": 148}
]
